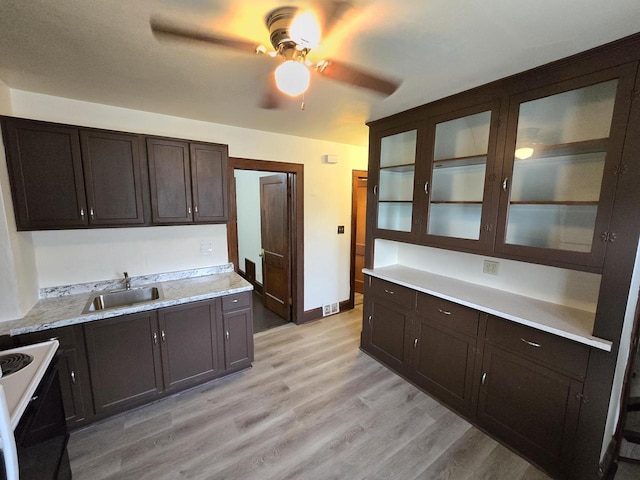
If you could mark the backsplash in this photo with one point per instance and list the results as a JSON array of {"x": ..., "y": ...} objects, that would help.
[{"x": 62, "y": 290}]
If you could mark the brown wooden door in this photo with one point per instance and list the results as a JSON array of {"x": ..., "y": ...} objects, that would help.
[
  {"x": 274, "y": 214},
  {"x": 209, "y": 182},
  {"x": 124, "y": 359},
  {"x": 360, "y": 196},
  {"x": 112, "y": 177},
  {"x": 189, "y": 337},
  {"x": 530, "y": 406},
  {"x": 45, "y": 167},
  {"x": 169, "y": 181},
  {"x": 238, "y": 338}
]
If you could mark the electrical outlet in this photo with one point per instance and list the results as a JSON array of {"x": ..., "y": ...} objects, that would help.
[
  {"x": 206, "y": 248},
  {"x": 490, "y": 267},
  {"x": 340, "y": 229}
]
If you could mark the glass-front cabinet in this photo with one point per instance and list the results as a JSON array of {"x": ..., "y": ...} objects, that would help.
[
  {"x": 560, "y": 169},
  {"x": 459, "y": 177},
  {"x": 397, "y": 151}
]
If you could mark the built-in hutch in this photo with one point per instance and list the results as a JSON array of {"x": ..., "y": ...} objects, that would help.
[{"x": 542, "y": 167}]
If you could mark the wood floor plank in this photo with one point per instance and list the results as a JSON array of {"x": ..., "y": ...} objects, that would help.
[{"x": 312, "y": 407}]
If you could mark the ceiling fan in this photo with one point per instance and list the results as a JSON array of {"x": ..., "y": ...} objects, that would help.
[{"x": 293, "y": 34}]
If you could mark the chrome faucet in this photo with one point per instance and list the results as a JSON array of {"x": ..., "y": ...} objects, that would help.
[{"x": 127, "y": 281}]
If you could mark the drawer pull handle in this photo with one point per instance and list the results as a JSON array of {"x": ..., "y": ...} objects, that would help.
[
  {"x": 227, "y": 335},
  {"x": 155, "y": 338},
  {"x": 390, "y": 292},
  {"x": 444, "y": 312},
  {"x": 163, "y": 336},
  {"x": 235, "y": 300},
  {"x": 533, "y": 344},
  {"x": 370, "y": 320},
  {"x": 34, "y": 398},
  {"x": 415, "y": 343},
  {"x": 73, "y": 377},
  {"x": 484, "y": 378}
]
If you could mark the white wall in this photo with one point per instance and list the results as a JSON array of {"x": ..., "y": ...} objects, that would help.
[
  {"x": 556, "y": 285},
  {"x": 248, "y": 212},
  {"x": 327, "y": 198},
  {"x": 18, "y": 282}
]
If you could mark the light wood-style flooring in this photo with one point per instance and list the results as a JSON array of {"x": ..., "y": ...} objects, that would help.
[{"x": 312, "y": 407}]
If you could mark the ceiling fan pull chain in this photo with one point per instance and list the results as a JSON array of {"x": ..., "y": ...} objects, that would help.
[{"x": 302, "y": 105}]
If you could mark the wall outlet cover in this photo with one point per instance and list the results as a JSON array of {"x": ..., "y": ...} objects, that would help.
[
  {"x": 206, "y": 248},
  {"x": 490, "y": 267}
]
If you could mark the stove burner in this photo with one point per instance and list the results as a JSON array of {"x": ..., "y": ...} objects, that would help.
[{"x": 13, "y": 362}]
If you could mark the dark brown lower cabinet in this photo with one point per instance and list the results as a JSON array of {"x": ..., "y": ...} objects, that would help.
[
  {"x": 73, "y": 371},
  {"x": 530, "y": 407},
  {"x": 444, "y": 364},
  {"x": 237, "y": 320},
  {"x": 522, "y": 385},
  {"x": 124, "y": 359},
  {"x": 191, "y": 344}
]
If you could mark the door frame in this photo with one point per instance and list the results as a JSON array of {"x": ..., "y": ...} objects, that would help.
[
  {"x": 355, "y": 175},
  {"x": 296, "y": 179}
]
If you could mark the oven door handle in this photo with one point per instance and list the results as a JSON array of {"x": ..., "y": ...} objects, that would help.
[{"x": 9, "y": 450}]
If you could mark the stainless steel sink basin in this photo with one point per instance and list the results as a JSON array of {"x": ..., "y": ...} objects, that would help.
[{"x": 122, "y": 298}]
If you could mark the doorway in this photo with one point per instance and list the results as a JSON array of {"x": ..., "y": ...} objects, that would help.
[
  {"x": 358, "y": 230},
  {"x": 288, "y": 298}
]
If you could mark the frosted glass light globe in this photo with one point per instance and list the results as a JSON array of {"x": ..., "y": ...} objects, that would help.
[{"x": 292, "y": 78}]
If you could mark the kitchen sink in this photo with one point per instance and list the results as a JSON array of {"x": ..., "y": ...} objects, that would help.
[{"x": 122, "y": 298}]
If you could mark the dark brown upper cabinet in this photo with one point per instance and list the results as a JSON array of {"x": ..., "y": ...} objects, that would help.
[
  {"x": 562, "y": 159},
  {"x": 188, "y": 181},
  {"x": 458, "y": 178},
  {"x": 394, "y": 153},
  {"x": 45, "y": 169},
  {"x": 113, "y": 179}
]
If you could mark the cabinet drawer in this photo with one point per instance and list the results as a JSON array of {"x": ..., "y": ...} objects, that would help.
[
  {"x": 236, "y": 301},
  {"x": 457, "y": 317},
  {"x": 555, "y": 351},
  {"x": 393, "y": 292}
]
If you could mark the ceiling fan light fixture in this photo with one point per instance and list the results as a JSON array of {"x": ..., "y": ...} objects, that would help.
[
  {"x": 292, "y": 78},
  {"x": 305, "y": 30},
  {"x": 523, "y": 153}
]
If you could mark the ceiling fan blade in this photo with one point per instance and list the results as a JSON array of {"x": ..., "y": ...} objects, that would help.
[
  {"x": 331, "y": 11},
  {"x": 163, "y": 28},
  {"x": 345, "y": 73},
  {"x": 271, "y": 98}
]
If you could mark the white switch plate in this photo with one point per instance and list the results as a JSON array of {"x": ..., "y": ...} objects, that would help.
[
  {"x": 206, "y": 248},
  {"x": 490, "y": 267}
]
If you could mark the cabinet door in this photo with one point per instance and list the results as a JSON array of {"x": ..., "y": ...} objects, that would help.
[
  {"x": 190, "y": 335},
  {"x": 209, "y": 181},
  {"x": 169, "y": 181},
  {"x": 564, "y": 146},
  {"x": 124, "y": 359},
  {"x": 45, "y": 168},
  {"x": 444, "y": 363},
  {"x": 458, "y": 190},
  {"x": 531, "y": 407},
  {"x": 389, "y": 333},
  {"x": 391, "y": 186},
  {"x": 112, "y": 177},
  {"x": 238, "y": 339}
]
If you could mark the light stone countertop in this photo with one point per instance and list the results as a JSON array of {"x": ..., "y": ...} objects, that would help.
[
  {"x": 549, "y": 317},
  {"x": 67, "y": 309}
]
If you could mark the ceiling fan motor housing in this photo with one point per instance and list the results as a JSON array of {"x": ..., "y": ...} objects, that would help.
[{"x": 278, "y": 22}]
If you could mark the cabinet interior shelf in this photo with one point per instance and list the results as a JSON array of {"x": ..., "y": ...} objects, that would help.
[
  {"x": 408, "y": 167},
  {"x": 550, "y": 202},
  {"x": 457, "y": 202},
  {"x": 460, "y": 161},
  {"x": 567, "y": 149}
]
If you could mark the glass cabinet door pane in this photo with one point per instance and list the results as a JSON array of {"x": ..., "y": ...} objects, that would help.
[
  {"x": 395, "y": 186},
  {"x": 457, "y": 178},
  {"x": 558, "y": 167}
]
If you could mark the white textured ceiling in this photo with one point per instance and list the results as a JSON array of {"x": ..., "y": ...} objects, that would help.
[{"x": 103, "y": 51}]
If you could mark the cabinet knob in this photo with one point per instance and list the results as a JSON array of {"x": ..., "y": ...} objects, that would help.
[
  {"x": 226, "y": 334},
  {"x": 196, "y": 209},
  {"x": 370, "y": 320},
  {"x": 505, "y": 184},
  {"x": 155, "y": 338},
  {"x": 235, "y": 300},
  {"x": 484, "y": 379},
  {"x": 415, "y": 343},
  {"x": 82, "y": 213},
  {"x": 426, "y": 188},
  {"x": 163, "y": 336},
  {"x": 34, "y": 398},
  {"x": 375, "y": 190},
  {"x": 73, "y": 377},
  {"x": 189, "y": 210},
  {"x": 91, "y": 212}
]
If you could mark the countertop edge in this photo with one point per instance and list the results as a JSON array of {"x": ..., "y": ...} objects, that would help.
[{"x": 585, "y": 338}]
